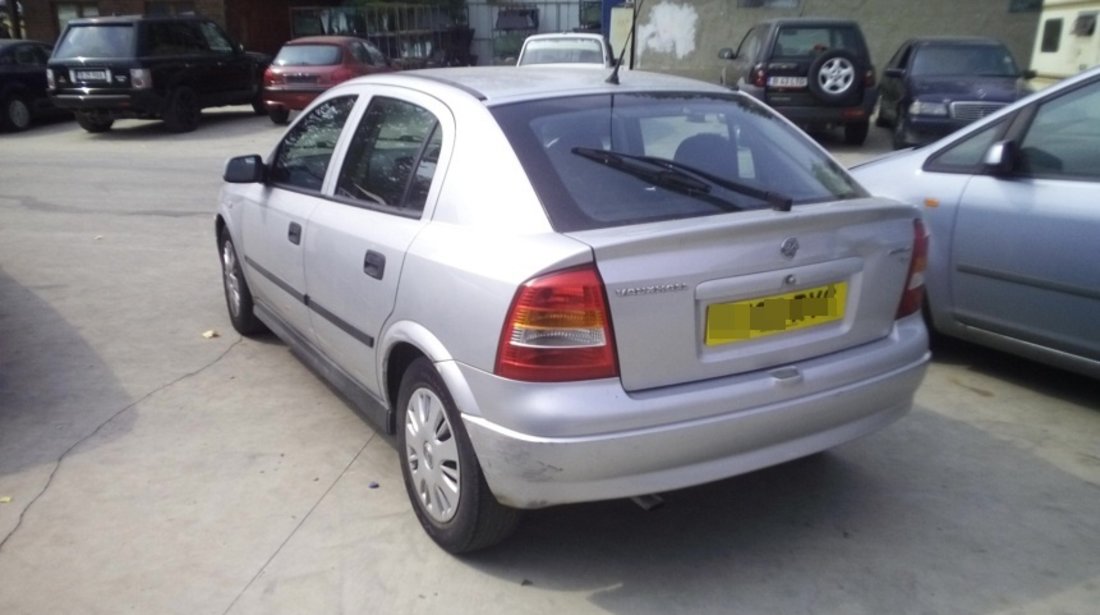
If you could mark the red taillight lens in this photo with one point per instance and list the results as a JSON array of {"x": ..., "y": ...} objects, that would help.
[
  {"x": 758, "y": 76},
  {"x": 558, "y": 329},
  {"x": 273, "y": 78},
  {"x": 913, "y": 295}
]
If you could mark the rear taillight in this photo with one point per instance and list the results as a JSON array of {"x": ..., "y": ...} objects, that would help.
[
  {"x": 558, "y": 329},
  {"x": 758, "y": 76},
  {"x": 273, "y": 78},
  {"x": 141, "y": 78},
  {"x": 913, "y": 295}
]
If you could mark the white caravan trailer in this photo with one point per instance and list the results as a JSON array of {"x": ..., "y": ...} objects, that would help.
[{"x": 1067, "y": 42}]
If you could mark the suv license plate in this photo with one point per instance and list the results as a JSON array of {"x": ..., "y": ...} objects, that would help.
[
  {"x": 91, "y": 75},
  {"x": 743, "y": 320},
  {"x": 787, "y": 82}
]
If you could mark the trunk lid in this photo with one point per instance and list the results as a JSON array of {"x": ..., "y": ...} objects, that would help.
[{"x": 673, "y": 288}]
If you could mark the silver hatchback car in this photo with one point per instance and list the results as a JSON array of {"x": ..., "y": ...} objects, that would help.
[{"x": 556, "y": 289}]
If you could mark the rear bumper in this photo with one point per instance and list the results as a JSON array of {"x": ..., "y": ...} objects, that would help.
[
  {"x": 569, "y": 452},
  {"x": 132, "y": 103},
  {"x": 819, "y": 114},
  {"x": 292, "y": 99}
]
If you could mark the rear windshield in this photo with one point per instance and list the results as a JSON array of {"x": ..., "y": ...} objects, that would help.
[
  {"x": 961, "y": 59},
  {"x": 562, "y": 50},
  {"x": 601, "y": 161},
  {"x": 96, "y": 41},
  {"x": 804, "y": 42},
  {"x": 308, "y": 55}
]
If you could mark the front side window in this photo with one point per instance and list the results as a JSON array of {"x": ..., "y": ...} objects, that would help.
[
  {"x": 392, "y": 158},
  {"x": 97, "y": 41},
  {"x": 302, "y": 159},
  {"x": 215, "y": 39},
  {"x": 1064, "y": 138},
  {"x": 750, "y": 45},
  {"x": 966, "y": 156},
  {"x": 612, "y": 160}
]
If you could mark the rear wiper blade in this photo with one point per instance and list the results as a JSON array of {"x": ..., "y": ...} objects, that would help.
[{"x": 777, "y": 201}]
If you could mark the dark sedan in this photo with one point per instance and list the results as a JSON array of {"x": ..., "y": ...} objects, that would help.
[
  {"x": 934, "y": 86},
  {"x": 23, "y": 83}
]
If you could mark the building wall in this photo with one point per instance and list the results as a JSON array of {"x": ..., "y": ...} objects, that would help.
[{"x": 684, "y": 37}]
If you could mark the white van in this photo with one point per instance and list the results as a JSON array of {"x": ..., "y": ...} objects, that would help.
[{"x": 1067, "y": 41}]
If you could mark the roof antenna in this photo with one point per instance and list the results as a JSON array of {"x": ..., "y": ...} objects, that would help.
[{"x": 613, "y": 79}]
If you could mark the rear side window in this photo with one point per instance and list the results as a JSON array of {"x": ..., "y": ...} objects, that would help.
[
  {"x": 97, "y": 41},
  {"x": 169, "y": 38},
  {"x": 392, "y": 157},
  {"x": 302, "y": 159},
  {"x": 805, "y": 42},
  {"x": 308, "y": 55},
  {"x": 604, "y": 161}
]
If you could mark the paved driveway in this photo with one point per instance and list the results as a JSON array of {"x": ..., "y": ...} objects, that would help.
[{"x": 153, "y": 470}]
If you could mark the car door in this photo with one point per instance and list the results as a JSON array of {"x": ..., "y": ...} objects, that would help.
[
  {"x": 736, "y": 73},
  {"x": 229, "y": 71},
  {"x": 356, "y": 241},
  {"x": 274, "y": 221},
  {"x": 891, "y": 89},
  {"x": 1025, "y": 246}
]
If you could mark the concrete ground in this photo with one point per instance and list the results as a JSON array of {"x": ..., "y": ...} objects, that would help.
[{"x": 145, "y": 468}]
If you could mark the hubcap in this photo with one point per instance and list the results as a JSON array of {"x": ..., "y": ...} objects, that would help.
[
  {"x": 232, "y": 284},
  {"x": 432, "y": 454},
  {"x": 836, "y": 75},
  {"x": 19, "y": 114}
]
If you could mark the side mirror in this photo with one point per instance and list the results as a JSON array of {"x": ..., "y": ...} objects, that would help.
[
  {"x": 726, "y": 54},
  {"x": 896, "y": 73},
  {"x": 245, "y": 170},
  {"x": 1029, "y": 74},
  {"x": 1000, "y": 158}
]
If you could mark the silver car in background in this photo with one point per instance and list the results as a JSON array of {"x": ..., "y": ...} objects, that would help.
[
  {"x": 1013, "y": 208},
  {"x": 556, "y": 289}
]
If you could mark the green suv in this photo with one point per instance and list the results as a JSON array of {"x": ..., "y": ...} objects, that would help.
[{"x": 167, "y": 68}]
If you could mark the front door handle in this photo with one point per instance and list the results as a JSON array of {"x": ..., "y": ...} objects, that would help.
[
  {"x": 294, "y": 234},
  {"x": 374, "y": 264}
]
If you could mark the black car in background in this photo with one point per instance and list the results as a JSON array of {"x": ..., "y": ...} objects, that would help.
[
  {"x": 816, "y": 72},
  {"x": 23, "y": 94},
  {"x": 934, "y": 86},
  {"x": 169, "y": 68}
]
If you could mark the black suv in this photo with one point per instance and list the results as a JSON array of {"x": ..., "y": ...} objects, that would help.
[
  {"x": 817, "y": 72},
  {"x": 107, "y": 68}
]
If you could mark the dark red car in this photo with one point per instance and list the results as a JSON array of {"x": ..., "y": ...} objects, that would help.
[{"x": 307, "y": 66}]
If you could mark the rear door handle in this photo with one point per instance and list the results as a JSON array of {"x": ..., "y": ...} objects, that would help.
[
  {"x": 294, "y": 234},
  {"x": 374, "y": 264}
]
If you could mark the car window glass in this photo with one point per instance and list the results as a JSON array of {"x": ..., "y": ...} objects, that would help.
[
  {"x": 97, "y": 41},
  {"x": 376, "y": 57},
  {"x": 563, "y": 51},
  {"x": 26, "y": 56},
  {"x": 901, "y": 56},
  {"x": 965, "y": 156},
  {"x": 215, "y": 39},
  {"x": 803, "y": 42},
  {"x": 396, "y": 144},
  {"x": 302, "y": 158},
  {"x": 308, "y": 55},
  {"x": 976, "y": 60},
  {"x": 750, "y": 45},
  {"x": 560, "y": 142},
  {"x": 1064, "y": 138},
  {"x": 174, "y": 38},
  {"x": 359, "y": 52}
]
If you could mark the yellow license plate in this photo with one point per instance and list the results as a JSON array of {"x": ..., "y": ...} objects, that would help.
[{"x": 763, "y": 316}]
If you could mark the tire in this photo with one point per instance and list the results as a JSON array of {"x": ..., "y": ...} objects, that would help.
[
  {"x": 258, "y": 106},
  {"x": 855, "y": 133},
  {"x": 238, "y": 298},
  {"x": 183, "y": 111},
  {"x": 835, "y": 78},
  {"x": 94, "y": 123},
  {"x": 901, "y": 122},
  {"x": 279, "y": 115},
  {"x": 16, "y": 114},
  {"x": 442, "y": 477}
]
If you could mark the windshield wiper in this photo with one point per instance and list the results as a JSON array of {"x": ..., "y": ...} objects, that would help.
[{"x": 682, "y": 174}]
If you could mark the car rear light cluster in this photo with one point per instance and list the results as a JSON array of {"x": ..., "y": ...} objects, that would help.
[
  {"x": 558, "y": 329},
  {"x": 758, "y": 76},
  {"x": 141, "y": 78},
  {"x": 272, "y": 78},
  {"x": 913, "y": 295}
]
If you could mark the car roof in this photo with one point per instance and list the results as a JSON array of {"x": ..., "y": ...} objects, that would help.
[
  {"x": 953, "y": 40},
  {"x": 809, "y": 21},
  {"x": 129, "y": 19},
  {"x": 505, "y": 84},
  {"x": 554, "y": 35},
  {"x": 323, "y": 40}
]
